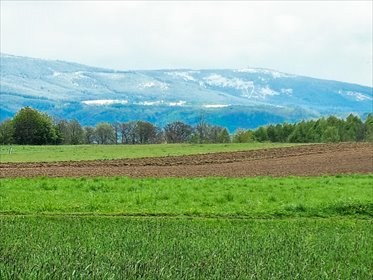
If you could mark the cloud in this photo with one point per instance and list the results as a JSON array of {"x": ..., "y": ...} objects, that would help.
[{"x": 324, "y": 39}]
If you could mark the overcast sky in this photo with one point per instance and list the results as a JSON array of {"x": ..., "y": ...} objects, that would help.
[{"x": 331, "y": 40}]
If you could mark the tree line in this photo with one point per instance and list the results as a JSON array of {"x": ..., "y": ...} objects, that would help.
[
  {"x": 323, "y": 130},
  {"x": 31, "y": 127}
]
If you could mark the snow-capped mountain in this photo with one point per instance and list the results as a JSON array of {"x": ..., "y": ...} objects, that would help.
[{"x": 234, "y": 98}]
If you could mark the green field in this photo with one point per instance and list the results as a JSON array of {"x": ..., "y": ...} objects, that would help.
[
  {"x": 197, "y": 228},
  {"x": 155, "y": 248},
  {"x": 92, "y": 152},
  {"x": 222, "y": 197}
]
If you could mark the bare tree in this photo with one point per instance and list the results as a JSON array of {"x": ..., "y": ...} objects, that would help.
[
  {"x": 128, "y": 132},
  {"x": 89, "y": 134},
  {"x": 177, "y": 132},
  {"x": 71, "y": 132},
  {"x": 202, "y": 129},
  {"x": 76, "y": 132},
  {"x": 146, "y": 132},
  {"x": 104, "y": 133},
  {"x": 116, "y": 126}
]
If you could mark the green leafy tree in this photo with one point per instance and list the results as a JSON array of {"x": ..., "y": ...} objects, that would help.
[
  {"x": 318, "y": 129},
  {"x": 33, "y": 128},
  {"x": 261, "y": 134},
  {"x": 352, "y": 128},
  {"x": 334, "y": 121},
  {"x": 310, "y": 131},
  {"x": 287, "y": 129},
  {"x": 330, "y": 134},
  {"x": 243, "y": 136},
  {"x": 368, "y": 131},
  {"x": 6, "y": 132},
  {"x": 273, "y": 133},
  {"x": 300, "y": 133}
]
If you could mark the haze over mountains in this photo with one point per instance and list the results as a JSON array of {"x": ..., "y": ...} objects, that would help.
[{"x": 234, "y": 98}]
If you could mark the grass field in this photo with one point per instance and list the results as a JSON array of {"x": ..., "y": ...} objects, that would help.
[
  {"x": 224, "y": 197},
  {"x": 93, "y": 152},
  {"x": 197, "y": 228},
  {"x": 133, "y": 248}
]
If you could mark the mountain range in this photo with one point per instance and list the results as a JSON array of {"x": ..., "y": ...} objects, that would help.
[{"x": 234, "y": 98}]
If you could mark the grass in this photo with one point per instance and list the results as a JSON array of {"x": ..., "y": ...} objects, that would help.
[
  {"x": 225, "y": 197},
  {"x": 94, "y": 152},
  {"x": 195, "y": 228},
  {"x": 132, "y": 248}
]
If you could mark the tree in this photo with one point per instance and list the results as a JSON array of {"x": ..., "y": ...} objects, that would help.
[
  {"x": 33, "y": 128},
  {"x": 104, "y": 133},
  {"x": 368, "y": 124},
  {"x": 71, "y": 132},
  {"x": 333, "y": 121},
  {"x": 6, "y": 132},
  {"x": 300, "y": 133},
  {"x": 205, "y": 133},
  {"x": 310, "y": 134},
  {"x": 352, "y": 129},
  {"x": 128, "y": 132},
  {"x": 76, "y": 132},
  {"x": 243, "y": 136},
  {"x": 89, "y": 135},
  {"x": 213, "y": 134},
  {"x": 272, "y": 133},
  {"x": 330, "y": 135},
  {"x": 224, "y": 136},
  {"x": 177, "y": 132},
  {"x": 146, "y": 131},
  {"x": 319, "y": 128},
  {"x": 116, "y": 126},
  {"x": 261, "y": 134},
  {"x": 287, "y": 129},
  {"x": 62, "y": 131},
  {"x": 201, "y": 130},
  {"x": 159, "y": 136}
]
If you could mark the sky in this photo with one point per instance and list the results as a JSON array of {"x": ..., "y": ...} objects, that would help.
[{"x": 326, "y": 39}]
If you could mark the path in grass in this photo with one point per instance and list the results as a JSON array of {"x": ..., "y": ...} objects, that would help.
[{"x": 97, "y": 152}]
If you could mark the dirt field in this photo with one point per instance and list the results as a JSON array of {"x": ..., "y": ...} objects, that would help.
[{"x": 308, "y": 160}]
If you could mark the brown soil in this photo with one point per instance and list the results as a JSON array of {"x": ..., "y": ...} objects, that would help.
[{"x": 307, "y": 160}]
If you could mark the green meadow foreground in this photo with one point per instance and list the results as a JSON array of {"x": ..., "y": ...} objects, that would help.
[
  {"x": 155, "y": 248},
  {"x": 97, "y": 152},
  {"x": 178, "y": 228}
]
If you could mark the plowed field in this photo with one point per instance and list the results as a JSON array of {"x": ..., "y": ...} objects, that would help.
[{"x": 307, "y": 160}]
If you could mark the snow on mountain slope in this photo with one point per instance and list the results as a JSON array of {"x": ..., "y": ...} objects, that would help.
[{"x": 75, "y": 90}]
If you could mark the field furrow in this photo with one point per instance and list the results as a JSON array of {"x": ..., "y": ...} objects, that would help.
[{"x": 308, "y": 160}]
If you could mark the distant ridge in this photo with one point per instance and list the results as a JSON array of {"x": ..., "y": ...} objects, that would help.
[{"x": 235, "y": 98}]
